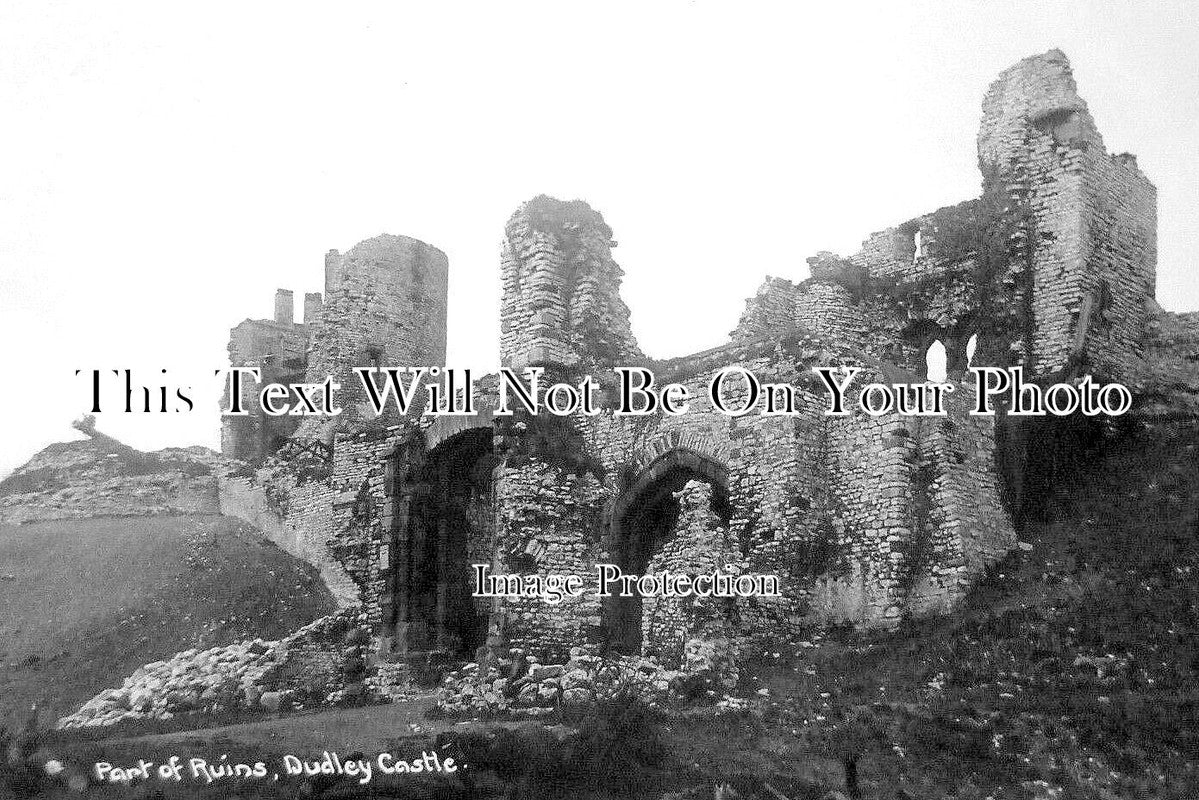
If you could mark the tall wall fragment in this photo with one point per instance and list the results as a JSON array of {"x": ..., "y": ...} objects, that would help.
[
  {"x": 1089, "y": 218},
  {"x": 561, "y": 289}
]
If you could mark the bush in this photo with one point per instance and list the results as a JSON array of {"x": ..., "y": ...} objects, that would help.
[
  {"x": 20, "y": 775},
  {"x": 618, "y": 743},
  {"x": 852, "y": 739}
]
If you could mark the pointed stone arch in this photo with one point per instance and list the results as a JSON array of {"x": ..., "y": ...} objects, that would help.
[{"x": 641, "y": 517}]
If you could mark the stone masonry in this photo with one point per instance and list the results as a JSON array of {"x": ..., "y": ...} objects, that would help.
[{"x": 863, "y": 519}]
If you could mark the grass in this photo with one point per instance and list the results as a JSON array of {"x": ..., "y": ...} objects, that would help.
[{"x": 83, "y": 603}]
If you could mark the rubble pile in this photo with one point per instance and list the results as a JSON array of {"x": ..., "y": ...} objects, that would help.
[
  {"x": 322, "y": 663},
  {"x": 520, "y": 683},
  {"x": 192, "y": 681}
]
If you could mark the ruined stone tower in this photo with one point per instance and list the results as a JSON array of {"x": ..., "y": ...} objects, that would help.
[
  {"x": 561, "y": 289},
  {"x": 1088, "y": 219},
  {"x": 385, "y": 305},
  {"x": 278, "y": 347}
]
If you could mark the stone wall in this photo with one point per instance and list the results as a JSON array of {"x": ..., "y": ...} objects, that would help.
[
  {"x": 1051, "y": 267},
  {"x": 698, "y": 544},
  {"x": 296, "y": 516},
  {"x": 1089, "y": 218},
  {"x": 919, "y": 513},
  {"x": 548, "y": 523},
  {"x": 278, "y": 348},
  {"x": 820, "y": 306},
  {"x": 863, "y": 519},
  {"x": 561, "y": 302},
  {"x": 385, "y": 305}
]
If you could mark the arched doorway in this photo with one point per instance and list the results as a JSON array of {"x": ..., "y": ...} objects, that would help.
[
  {"x": 643, "y": 518},
  {"x": 449, "y": 528}
]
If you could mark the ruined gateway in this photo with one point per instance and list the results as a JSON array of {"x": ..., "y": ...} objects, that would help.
[{"x": 864, "y": 519}]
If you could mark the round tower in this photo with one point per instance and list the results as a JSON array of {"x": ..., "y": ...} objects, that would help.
[{"x": 385, "y": 306}]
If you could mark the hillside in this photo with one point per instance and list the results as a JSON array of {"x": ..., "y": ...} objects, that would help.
[
  {"x": 1071, "y": 672},
  {"x": 85, "y": 602}
]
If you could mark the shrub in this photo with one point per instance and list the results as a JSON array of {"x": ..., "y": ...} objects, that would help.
[
  {"x": 619, "y": 742},
  {"x": 849, "y": 741},
  {"x": 20, "y": 775}
]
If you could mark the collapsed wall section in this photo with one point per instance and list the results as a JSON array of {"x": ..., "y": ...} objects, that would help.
[{"x": 822, "y": 307}]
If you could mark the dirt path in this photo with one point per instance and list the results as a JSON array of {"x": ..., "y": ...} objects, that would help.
[{"x": 369, "y": 729}]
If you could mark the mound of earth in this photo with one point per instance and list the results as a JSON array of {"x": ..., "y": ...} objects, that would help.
[{"x": 83, "y": 603}]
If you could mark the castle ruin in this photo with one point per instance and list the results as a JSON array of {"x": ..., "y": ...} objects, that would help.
[{"x": 865, "y": 519}]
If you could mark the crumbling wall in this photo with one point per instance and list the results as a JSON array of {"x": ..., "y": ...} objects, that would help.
[
  {"x": 362, "y": 538},
  {"x": 1051, "y": 267},
  {"x": 822, "y": 307},
  {"x": 768, "y": 312},
  {"x": 862, "y": 519},
  {"x": 1089, "y": 219},
  {"x": 1120, "y": 220},
  {"x": 831, "y": 311},
  {"x": 959, "y": 524},
  {"x": 561, "y": 289},
  {"x": 296, "y": 515},
  {"x": 699, "y": 544},
  {"x": 828, "y": 504},
  {"x": 278, "y": 348},
  {"x": 917, "y": 512}
]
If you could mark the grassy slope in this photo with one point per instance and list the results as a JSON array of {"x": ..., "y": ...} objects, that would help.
[{"x": 84, "y": 603}]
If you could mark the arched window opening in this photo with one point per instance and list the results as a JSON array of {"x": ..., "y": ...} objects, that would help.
[
  {"x": 936, "y": 363},
  {"x": 971, "y": 347}
]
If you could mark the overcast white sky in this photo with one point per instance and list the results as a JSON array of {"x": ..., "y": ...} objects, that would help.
[{"x": 163, "y": 169}]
